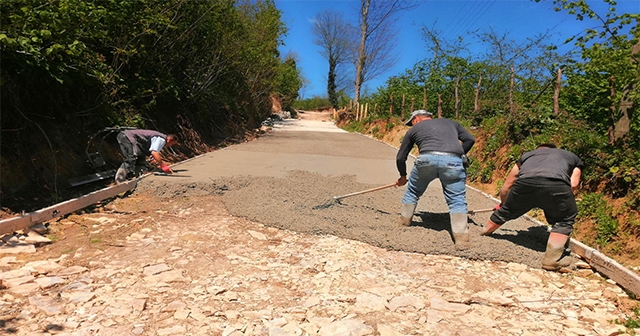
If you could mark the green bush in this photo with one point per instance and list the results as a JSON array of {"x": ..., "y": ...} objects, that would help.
[
  {"x": 313, "y": 103},
  {"x": 473, "y": 170},
  {"x": 593, "y": 206},
  {"x": 487, "y": 172}
]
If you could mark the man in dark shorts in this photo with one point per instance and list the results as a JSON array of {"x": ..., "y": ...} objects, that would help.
[
  {"x": 136, "y": 145},
  {"x": 543, "y": 178},
  {"x": 443, "y": 144}
]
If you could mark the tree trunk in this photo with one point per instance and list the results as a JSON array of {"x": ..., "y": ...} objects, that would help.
[
  {"x": 623, "y": 125},
  {"x": 476, "y": 105},
  {"x": 457, "y": 97},
  {"x": 612, "y": 109},
  {"x": 331, "y": 83},
  {"x": 364, "y": 27},
  {"x": 439, "y": 105},
  {"x": 402, "y": 109}
]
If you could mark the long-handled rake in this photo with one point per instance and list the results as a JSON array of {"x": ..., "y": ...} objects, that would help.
[
  {"x": 336, "y": 199},
  {"x": 473, "y": 212}
]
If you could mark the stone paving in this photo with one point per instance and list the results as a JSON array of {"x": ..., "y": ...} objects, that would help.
[{"x": 190, "y": 268}]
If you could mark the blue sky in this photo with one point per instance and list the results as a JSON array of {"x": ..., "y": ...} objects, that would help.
[{"x": 519, "y": 18}]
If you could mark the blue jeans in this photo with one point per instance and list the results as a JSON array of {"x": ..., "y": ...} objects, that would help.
[{"x": 452, "y": 175}]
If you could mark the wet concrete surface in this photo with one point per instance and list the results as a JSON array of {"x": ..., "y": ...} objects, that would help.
[{"x": 288, "y": 177}]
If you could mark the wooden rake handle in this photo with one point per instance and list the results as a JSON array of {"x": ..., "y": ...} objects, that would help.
[
  {"x": 471, "y": 212},
  {"x": 365, "y": 191}
]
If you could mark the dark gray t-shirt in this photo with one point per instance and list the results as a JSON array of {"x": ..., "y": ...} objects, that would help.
[
  {"x": 441, "y": 135},
  {"x": 549, "y": 163}
]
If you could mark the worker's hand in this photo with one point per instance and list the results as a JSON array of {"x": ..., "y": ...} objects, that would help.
[
  {"x": 497, "y": 207},
  {"x": 166, "y": 169},
  {"x": 401, "y": 181}
]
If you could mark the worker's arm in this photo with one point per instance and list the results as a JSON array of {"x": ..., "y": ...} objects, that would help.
[
  {"x": 157, "y": 157},
  {"x": 575, "y": 178},
  {"x": 508, "y": 182}
]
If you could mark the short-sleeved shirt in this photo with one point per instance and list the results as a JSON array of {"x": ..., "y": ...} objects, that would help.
[
  {"x": 157, "y": 143},
  {"x": 549, "y": 163}
]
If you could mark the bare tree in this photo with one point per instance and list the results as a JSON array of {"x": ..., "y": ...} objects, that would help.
[
  {"x": 335, "y": 36},
  {"x": 377, "y": 39}
]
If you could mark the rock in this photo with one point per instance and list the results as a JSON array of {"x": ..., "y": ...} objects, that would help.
[
  {"x": 42, "y": 266},
  {"x": 35, "y": 238},
  {"x": 155, "y": 269},
  {"x": 17, "y": 248},
  {"x": 404, "y": 301},
  {"x": 46, "y": 282},
  {"x": 368, "y": 301},
  {"x": 347, "y": 327},
  {"x": 440, "y": 304}
]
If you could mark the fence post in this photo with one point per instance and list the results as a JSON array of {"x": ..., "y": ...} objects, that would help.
[{"x": 424, "y": 98}]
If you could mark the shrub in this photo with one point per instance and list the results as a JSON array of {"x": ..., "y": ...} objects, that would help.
[{"x": 594, "y": 206}]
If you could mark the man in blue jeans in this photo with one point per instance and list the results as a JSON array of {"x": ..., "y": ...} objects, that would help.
[{"x": 443, "y": 145}]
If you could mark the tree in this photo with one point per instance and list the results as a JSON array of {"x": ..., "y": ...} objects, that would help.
[
  {"x": 610, "y": 76},
  {"x": 335, "y": 36},
  {"x": 377, "y": 32},
  {"x": 288, "y": 81}
]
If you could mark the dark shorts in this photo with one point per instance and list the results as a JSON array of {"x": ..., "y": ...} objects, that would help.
[{"x": 554, "y": 197}]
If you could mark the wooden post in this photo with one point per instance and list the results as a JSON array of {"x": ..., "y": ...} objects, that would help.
[
  {"x": 413, "y": 101},
  {"x": 511, "y": 86},
  {"x": 391, "y": 105},
  {"x": 439, "y": 105},
  {"x": 556, "y": 93},
  {"x": 402, "y": 108},
  {"x": 366, "y": 110}
]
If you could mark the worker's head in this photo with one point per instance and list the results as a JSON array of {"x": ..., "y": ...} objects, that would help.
[
  {"x": 172, "y": 139},
  {"x": 418, "y": 116},
  {"x": 547, "y": 145}
]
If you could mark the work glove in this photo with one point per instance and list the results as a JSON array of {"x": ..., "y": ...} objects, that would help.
[
  {"x": 165, "y": 168},
  {"x": 497, "y": 207}
]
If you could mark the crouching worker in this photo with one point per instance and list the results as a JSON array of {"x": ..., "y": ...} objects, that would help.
[
  {"x": 136, "y": 145},
  {"x": 543, "y": 178}
]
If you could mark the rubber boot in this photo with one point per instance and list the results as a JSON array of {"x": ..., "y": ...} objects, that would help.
[
  {"x": 139, "y": 171},
  {"x": 489, "y": 228},
  {"x": 406, "y": 214},
  {"x": 554, "y": 259},
  {"x": 460, "y": 230},
  {"x": 121, "y": 175}
]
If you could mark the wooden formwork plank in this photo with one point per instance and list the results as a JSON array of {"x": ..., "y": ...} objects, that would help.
[
  {"x": 22, "y": 222},
  {"x": 607, "y": 266}
]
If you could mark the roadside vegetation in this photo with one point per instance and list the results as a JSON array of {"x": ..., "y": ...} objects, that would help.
[
  {"x": 206, "y": 70},
  {"x": 520, "y": 95}
]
